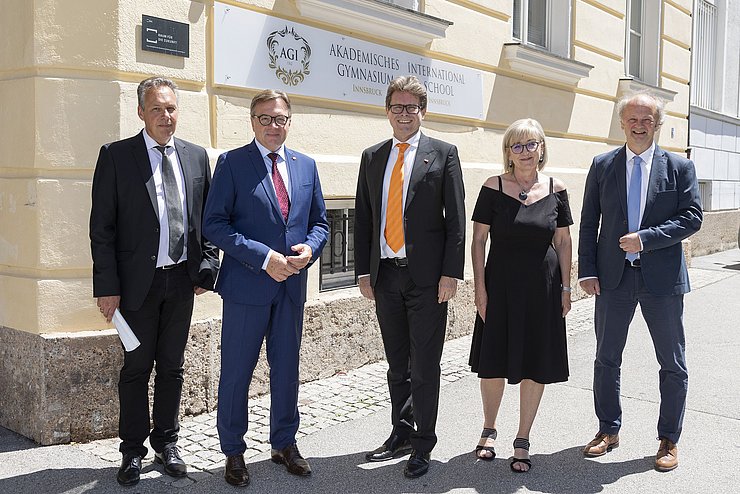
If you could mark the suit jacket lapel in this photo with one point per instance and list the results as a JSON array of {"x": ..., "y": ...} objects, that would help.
[
  {"x": 425, "y": 156},
  {"x": 259, "y": 166},
  {"x": 658, "y": 173},
  {"x": 295, "y": 178},
  {"x": 184, "y": 158},
  {"x": 377, "y": 174},
  {"x": 620, "y": 177},
  {"x": 141, "y": 156}
]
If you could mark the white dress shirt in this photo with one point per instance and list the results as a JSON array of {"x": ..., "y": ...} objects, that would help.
[
  {"x": 282, "y": 167},
  {"x": 155, "y": 160},
  {"x": 408, "y": 165},
  {"x": 647, "y": 163}
]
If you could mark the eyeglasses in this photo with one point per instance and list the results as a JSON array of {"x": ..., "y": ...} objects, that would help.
[
  {"x": 530, "y": 146},
  {"x": 410, "y": 109},
  {"x": 265, "y": 120}
]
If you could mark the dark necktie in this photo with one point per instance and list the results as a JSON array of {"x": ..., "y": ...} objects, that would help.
[
  {"x": 174, "y": 207},
  {"x": 280, "y": 191}
]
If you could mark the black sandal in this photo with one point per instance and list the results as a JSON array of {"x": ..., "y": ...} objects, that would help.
[
  {"x": 486, "y": 434},
  {"x": 521, "y": 443}
]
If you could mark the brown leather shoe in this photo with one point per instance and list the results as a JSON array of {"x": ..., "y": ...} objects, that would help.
[
  {"x": 601, "y": 444},
  {"x": 667, "y": 457},
  {"x": 291, "y": 458},
  {"x": 236, "y": 471}
]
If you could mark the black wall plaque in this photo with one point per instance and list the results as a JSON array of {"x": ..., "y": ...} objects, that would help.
[{"x": 165, "y": 36}]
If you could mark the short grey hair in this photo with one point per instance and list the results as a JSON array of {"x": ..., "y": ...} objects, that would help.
[
  {"x": 153, "y": 83},
  {"x": 630, "y": 98},
  {"x": 526, "y": 128}
]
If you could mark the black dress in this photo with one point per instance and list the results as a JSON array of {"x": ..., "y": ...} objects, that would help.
[{"x": 524, "y": 333}]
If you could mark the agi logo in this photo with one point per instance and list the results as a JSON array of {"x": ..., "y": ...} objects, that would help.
[{"x": 289, "y": 55}]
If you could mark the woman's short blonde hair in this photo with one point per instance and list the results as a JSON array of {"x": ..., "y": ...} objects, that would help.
[{"x": 520, "y": 131}]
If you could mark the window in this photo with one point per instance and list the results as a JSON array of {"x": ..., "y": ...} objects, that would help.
[
  {"x": 398, "y": 20},
  {"x": 407, "y": 4},
  {"x": 635, "y": 39},
  {"x": 338, "y": 256},
  {"x": 704, "y": 82},
  {"x": 642, "y": 40},
  {"x": 542, "y": 23}
]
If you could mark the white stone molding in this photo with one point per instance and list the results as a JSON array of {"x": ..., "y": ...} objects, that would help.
[
  {"x": 629, "y": 85},
  {"x": 377, "y": 18},
  {"x": 536, "y": 62}
]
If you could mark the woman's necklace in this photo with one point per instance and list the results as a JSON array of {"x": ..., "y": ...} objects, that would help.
[{"x": 523, "y": 194}]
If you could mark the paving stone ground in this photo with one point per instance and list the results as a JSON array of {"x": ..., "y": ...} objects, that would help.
[{"x": 326, "y": 402}]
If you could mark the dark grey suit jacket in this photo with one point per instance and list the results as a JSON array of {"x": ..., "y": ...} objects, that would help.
[
  {"x": 673, "y": 211},
  {"x": 124, "y": 222},
  {"x": 434, "y": 213}
]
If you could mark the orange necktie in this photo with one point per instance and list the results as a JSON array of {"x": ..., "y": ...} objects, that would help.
[{"x": 394, "y": 211}]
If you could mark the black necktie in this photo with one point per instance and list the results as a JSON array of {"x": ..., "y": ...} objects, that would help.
[{"x": 174, "y": 207}]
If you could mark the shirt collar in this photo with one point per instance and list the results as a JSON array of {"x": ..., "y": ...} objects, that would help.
[
  {"x": 151, "y": 143},
  {"x": 413, "y": 141},
  {"x": 264, "y": 151},
  {"x": 646, "y": 156}
]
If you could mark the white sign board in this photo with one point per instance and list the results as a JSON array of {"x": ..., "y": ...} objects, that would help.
[{"x": 256, "y": 51}]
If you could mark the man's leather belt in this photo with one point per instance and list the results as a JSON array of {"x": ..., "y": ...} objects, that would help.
[
  {"x": 633, "y": 264},
  {"x": 399, "y": 262},
  {"x": 172, "y": 266}
]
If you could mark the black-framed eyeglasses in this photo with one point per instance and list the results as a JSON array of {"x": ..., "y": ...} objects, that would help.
[
  {"x": 410, "y": 109},
  {"x": 265, "y": 120},
  {"x": 530, "y": 146}
]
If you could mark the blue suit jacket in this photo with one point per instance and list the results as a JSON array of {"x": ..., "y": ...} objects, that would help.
[
  {"x": 243, "y": 217},
  {"x": 672, "y": 212}
]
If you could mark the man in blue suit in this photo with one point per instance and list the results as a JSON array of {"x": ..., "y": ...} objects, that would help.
[
  {"x": 638, "y": 204},
  {"x": 267, "y": 213}
]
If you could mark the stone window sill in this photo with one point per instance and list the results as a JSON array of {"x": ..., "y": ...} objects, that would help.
[
  {"x": 537, "y": 62},
  {"x": 377, "y": 18},
  {"x": 629, "y": 85}
]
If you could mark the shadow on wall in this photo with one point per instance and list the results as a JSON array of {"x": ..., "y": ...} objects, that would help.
[{"x": 512, "y": 99}]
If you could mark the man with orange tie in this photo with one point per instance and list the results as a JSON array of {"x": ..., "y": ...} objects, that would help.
[{"x": 409, "y": 254}]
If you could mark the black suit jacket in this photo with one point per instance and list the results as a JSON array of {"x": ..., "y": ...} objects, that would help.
[
  {"x": 672, "y": 212},
  {"x": 434, "y": 212},
  {"x": 124, "y": 222}
]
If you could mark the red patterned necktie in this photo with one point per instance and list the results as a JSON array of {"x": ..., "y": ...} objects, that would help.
[{"x": 280, "y": 191}]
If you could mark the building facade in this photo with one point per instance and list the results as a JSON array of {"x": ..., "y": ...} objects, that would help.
[
  {"x": 714, "y": 114},
  {"x": 68, "y": 75}
]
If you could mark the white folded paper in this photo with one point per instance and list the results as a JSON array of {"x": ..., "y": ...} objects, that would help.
[{"x": 128, "y": 338}]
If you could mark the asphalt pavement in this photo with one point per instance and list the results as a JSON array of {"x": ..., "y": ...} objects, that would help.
[{"x": 347, "y": 415}]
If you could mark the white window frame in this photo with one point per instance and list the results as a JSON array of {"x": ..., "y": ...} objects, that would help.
[
  {"x": 557, "y": 26},
  {"x": 707, "y": 87},
  {"x": 650, "y": 41}
]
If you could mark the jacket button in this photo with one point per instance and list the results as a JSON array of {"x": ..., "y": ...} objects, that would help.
[
  {"x": 624, "y": 222},
  {"x": 156, "y": 229},
  {"x": 153, "y": 258}
]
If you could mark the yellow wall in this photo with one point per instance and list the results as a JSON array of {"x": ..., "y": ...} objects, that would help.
[{"x": 68, "y": 74}]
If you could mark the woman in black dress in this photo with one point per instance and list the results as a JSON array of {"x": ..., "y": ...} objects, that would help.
[{"x": 522, "y": 293}]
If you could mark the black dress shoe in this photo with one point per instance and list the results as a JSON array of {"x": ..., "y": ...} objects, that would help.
[
  {"x": 291, "y": 458},
  {"x": 130, "y": 470},
  {"x": 417, "y": 465},
  {"x": 236, "y": 471},
  {"x": 174, "y": 466},
  {"x": 392, "y": 447}
]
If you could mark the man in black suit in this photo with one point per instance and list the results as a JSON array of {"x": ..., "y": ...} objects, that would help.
[
  {"x": 638, "y": 204},
  {"x": 149, "y": 259},
  {"x": 409, "y": 254}
]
